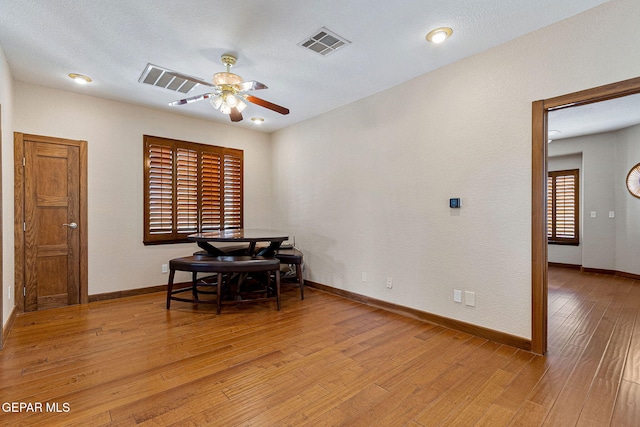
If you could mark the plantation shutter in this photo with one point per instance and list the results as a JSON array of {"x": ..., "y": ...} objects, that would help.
[
  {"x": 190, "y": 188},
  {"x": 562, "y": 207}
]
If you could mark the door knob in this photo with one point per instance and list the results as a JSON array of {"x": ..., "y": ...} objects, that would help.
[{"x": 72, "y": 225}]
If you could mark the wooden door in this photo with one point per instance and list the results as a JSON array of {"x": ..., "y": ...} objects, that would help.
[{"x": 53, "y": 222}]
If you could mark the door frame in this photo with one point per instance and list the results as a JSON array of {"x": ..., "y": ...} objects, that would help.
[
  {"x": 19, "y": 197},
  {"x": 539, "y": 136}
]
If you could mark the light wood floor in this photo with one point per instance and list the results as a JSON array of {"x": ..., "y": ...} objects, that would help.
[{"x": 324, "y": 361}]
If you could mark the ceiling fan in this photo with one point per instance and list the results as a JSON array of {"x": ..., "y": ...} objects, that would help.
[{"x": 229, "y": 92}]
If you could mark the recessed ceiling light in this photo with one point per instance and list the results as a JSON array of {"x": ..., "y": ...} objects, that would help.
[
  {"x": 439, "y": 34},
  {"x": 257, "y": 120},
  {"x": 79, "y": 78}
]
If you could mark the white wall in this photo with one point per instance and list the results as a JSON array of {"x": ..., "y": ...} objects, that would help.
[
  {"x": 627, "y": 206},
  {"x": 6, "y": 101},
  {"x": 365, "y": 187},
  {"x": 117, "y": 258},
  {"x": 568, "y": 254}
]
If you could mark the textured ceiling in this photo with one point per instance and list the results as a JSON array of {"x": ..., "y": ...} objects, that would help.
[
  {"x": 112, "y": 42},
  {"x": 604, "y": 116}
]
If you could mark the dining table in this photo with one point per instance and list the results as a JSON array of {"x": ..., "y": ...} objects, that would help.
[
  {"x": 251, "y": 236},
  {"x": 235, "y": 288}
]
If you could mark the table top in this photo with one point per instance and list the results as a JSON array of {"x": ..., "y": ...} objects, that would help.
[{"x": 240, "y": 235}]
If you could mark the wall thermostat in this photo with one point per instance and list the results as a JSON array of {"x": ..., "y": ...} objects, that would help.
[{"x": 454, "y": 203}]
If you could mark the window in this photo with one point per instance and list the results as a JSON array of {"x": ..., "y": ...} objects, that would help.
[
  {"x": 562, "y": 207},
  {"x": 189, "y": 188}
]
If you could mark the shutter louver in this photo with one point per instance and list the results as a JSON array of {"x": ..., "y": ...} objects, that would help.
[
  {"x": 187, "y": 190},
  {"x": 549, "y": 207},
  {"x": 562, "y": 207},
  {"x": 211, "y": 191},
  {"x": 565, "y": 207},
  {"x": 232, "y": 191},
  {"x": 160, "y": 189}
]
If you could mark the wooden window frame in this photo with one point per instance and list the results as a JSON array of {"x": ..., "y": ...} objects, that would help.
[
  {"x": 555, "y": 189},
  {"x": 195, "y": 188}
]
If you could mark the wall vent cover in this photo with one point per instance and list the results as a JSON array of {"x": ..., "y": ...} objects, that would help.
[
  {"x": 324, "y": 42},
  {"x": 167, "y": 79}
]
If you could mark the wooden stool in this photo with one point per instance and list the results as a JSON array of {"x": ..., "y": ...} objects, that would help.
[
  {"x": 219, "y": 266},
  {"x": 293, "y": 257}
]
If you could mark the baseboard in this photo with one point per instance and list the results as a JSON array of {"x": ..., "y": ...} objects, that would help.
[
  {"x": 132, "y": 292},
  {"x": 6, "y": 329},
  {"x": 563, "y": 265},
  {"x": 596, "y": 270},
  {"x": 610, "y": 272},
  {"x": 458, "y": 325}
]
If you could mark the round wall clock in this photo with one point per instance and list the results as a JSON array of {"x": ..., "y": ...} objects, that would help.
[{"x": 633, "y": 181}]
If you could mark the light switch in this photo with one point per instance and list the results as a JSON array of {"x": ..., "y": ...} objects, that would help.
[
  {"x": 612, "y": 214},
  {"x": 593, "y": 214},
  {"x": 457, "y": 296}
]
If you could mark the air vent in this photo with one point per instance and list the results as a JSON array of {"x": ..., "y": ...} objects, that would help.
[
  {"x": 161, "y": 77},
  {"x": 324, "y": 42}
]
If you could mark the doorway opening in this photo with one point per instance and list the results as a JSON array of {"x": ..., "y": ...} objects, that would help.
[{"x": 539, "y": 256}]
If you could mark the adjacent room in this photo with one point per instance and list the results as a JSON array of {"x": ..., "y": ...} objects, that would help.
[{"x": 451, "y": 187}]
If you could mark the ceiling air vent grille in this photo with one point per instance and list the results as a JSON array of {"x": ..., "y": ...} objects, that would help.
[
  {"x": 161, "y": 77},
  {"x": 324, "y": 42}
]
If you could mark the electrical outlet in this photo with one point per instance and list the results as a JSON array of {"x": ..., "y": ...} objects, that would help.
[
  {"x": 164, "y": 268},
  {"x": 364, "y": 276},
  {"x": 389, "y": 282}
]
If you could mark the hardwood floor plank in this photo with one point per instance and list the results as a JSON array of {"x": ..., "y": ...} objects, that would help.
[
  {"x": 627, "y": 410},
  {"x": 324, "y": 361}
]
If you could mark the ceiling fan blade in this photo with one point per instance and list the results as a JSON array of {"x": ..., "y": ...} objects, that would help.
[
  {"x": 235, "y": 115},
  {"x": 266, "y": 104},
  {"x": 252, "y": 85},
  {"x": 192, "y": 99}
]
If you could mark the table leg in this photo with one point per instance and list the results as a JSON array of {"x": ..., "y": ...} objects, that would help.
[
  {"x": 270, "y": 250},
  {"x": 211, "y": 250}
]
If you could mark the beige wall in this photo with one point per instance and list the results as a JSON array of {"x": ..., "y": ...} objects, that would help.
[
  {"x": 117, "y": 258},
  {"x": 627, "y": 206},
  {"x": 6, "y": 101},
  {"x": 366, "y": 186}
]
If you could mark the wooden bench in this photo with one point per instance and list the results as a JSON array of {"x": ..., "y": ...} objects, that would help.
[{"x": 221, "y": 266}]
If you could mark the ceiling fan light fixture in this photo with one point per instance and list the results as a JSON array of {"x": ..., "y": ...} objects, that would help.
[
  {"x": 439, "y": 35},
  {"x": 216, "y": 102},
  {"x": 225, "y": 109},
  {"x": 230, "y": 100},
  {"x": 241, "y": 106}
]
